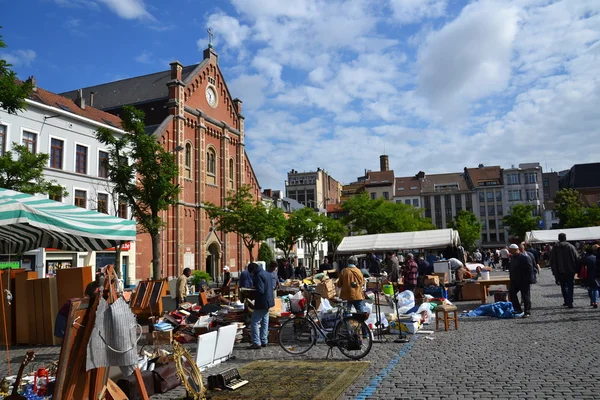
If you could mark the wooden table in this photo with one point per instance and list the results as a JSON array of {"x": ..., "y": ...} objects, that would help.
[{"x": 485, "y": 285}]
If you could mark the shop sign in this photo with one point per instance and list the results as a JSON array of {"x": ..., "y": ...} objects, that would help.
[
  {"x": 126, "y": 247},
  {"x": 10, "y": 265}
]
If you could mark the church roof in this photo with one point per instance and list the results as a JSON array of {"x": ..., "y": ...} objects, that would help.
[{"x": 131, "y": 91}]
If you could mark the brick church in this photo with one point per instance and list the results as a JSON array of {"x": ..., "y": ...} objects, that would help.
[{"x": 191, "y": 111}]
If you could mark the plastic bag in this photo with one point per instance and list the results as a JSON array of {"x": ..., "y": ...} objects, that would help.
[
  {"x": 324, "y": 306},
  {"x": 425, "y": 309},
  {"x": 405, "y": 301},
  {"x": 297, "y": 303}
]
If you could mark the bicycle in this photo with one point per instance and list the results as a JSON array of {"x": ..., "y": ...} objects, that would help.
[{"x": 350, "y": 334}]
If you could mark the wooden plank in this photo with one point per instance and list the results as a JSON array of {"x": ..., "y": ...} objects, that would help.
[
  {"x": 22, "y": 298},
  {"x": 71, "y": 283}
]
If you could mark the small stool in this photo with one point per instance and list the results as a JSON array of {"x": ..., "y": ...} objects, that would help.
[{"x": 445, "y": 310}]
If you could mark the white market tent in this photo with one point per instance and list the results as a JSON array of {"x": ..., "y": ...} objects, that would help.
[
  {"x": 435, "y": 239},
  {"x": 573, "y": 234}
]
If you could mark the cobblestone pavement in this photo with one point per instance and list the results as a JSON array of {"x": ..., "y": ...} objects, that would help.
[{"x": 551, "y": 355}]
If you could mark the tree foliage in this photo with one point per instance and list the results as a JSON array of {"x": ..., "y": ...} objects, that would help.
[
  {"x": 265, "y": 253},
  {"x": 366, "y": 216},
  {"x": 520, "y": 220},
  {"x": 334, "y": 232},
  {"x": 12, "y": 92},
  {"x": 143, "y": 173},
  {"x": 291, "y": 231},
  {"x": 248, "y": 217},
  {"x": 571, "y": 211},
  {"x": 313, "y": 231},
  {"x": 468, "y": 227},
  {"x": 23, "y": 171}
]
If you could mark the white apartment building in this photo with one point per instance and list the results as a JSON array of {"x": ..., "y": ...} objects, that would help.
[
  {"x": 524, "y": 185},
  {"x": 66, "y": 130}
]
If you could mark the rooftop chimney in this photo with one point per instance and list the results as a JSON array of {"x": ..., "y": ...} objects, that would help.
[
  {"x": 237, "y": 103},
  {"x": 176, "y": 70},
  {"x": 80, "y": 101},
  {"x": 92, "y": 99},
  {"x": 33, "y": 82},
  {"x": 384, "y": 163}
]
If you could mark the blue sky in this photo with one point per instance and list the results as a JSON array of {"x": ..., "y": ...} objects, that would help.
[{"x": 436, "y": 84}]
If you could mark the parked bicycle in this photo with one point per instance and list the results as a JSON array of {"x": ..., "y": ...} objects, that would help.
[{"x": 349, "y": 333}]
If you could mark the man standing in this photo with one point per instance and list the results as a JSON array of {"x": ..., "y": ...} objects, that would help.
[
  {"x": 246, "y": 280},
  {"x": 325, "y": 266},
  {"x": 563, "y": 261},
  {"x": 351, "y": 282},
  {"x": 477, "y": 255},
  {"x": 373, "y": 265},
  {"x": 504, "y": 254},
  {"x": 425, "y": 268},
  {"x": 181, "y": 287},
  {"x": 521, "y": 272},
  {"x": 264, "y": 300},
  {"x": 410, "y": 272},
  {"x": 392, "y": 267}
]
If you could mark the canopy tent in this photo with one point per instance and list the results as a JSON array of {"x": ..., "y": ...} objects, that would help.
[
  {"x": 573, "y": 234},
  {"x": 435, "y": 239},
  {"x": 29, "y": 222}
]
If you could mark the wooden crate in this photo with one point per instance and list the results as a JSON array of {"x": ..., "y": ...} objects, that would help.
[
  {"x": 21, "y": 304},
  {"x": 42, "y": 311},
  {"x": 71, "y": 283}
]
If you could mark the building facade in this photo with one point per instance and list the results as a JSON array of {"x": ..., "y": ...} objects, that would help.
[
  {"x": 488, "y": 185},
  {"x": 315, "y": 189},
  {"x": 444, "y": 195},
  {"x": 408, "y": 190},
  {"x": 524, "y": 185},
  {"x": 550, "y": 183},
  {"x": 585, "y": 178},
  {"x": 66, "y": 130},
  {"x": 190, "y": 108}
]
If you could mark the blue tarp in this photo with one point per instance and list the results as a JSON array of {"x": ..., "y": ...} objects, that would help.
[{"x": 501, "y": 309}]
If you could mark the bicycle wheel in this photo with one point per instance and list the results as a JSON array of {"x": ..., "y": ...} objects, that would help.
[
  {"x": 353, "y": 338},
  {"x": 297, "y": 335}
]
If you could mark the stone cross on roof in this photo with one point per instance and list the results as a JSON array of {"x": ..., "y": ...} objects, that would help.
[{"x": 210, "y": 36}]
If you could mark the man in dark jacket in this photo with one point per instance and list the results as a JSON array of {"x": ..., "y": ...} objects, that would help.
[
  {"x": 563, "y": 261},
  {"x": 521, "y": 276},
  {"x": 264, "y": 300},
  {"x": 591, "y": 263}
]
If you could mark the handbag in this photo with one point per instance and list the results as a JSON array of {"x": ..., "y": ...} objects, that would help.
[
  {"x": 165, "y": 378},
  {"x": 129, "y": 385}
]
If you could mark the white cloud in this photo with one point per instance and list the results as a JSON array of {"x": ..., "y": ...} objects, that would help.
[
  {"x": 229, "y": 28},
  {"x": 469, "y": 58},
  {"x": 145, "y": 57},
  {"x": 90, "y": 4},
  {"x": 19, "y": 57},
  {"x": 251, "y": 89},
  {"x": 129, "y": 9},
  {"x": 410, "y": 11},
  {"x": 270, "y": 69}
]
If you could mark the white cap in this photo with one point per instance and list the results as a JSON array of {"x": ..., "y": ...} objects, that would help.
[
  {"x": 513, "y": 246},
  {"x": 226, "y": 268}
]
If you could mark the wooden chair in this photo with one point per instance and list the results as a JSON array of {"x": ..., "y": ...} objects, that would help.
[
  {"x": 445, "y": 310},
  {"x": 230, "y": 292}
]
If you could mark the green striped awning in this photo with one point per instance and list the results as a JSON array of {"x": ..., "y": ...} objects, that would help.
[{"x": 28, "y": 222}]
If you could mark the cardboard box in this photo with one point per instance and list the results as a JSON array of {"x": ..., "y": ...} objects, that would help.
[
  {"x": 326, "y": 289},
  {"x": 162, "y": 338},
  {"x": 278, "y": 307},
  {"x": 431, "y": 280},
  {"x": 470, "y": 291},
  {"x": 443, "y": 276}
]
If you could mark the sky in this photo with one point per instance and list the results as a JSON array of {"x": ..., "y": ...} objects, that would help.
[{"x": 438, "y": 85}]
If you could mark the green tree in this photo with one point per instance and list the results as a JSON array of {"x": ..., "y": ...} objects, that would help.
[
  {"x": 592, "y": 216},
  {"x": 25, "y": 173},
  {"x": 366, "y": 216},
  {"x": 569, "y": 209},
  {"x": 265, "y": 253},
  {"x": 313, "y": 231},
  {"x": 520, "y": 220},
  {"x": 290, "y": 233},
  {"x": 143, "y": 173},
  {"x": 249, "y": 218},
  {"x": 12, "y": 92},
  {"x": 334, "y": 232},
  {"x": 468, "y": 227}
]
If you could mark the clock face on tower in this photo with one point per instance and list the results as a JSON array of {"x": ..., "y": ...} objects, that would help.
[{"x": 211, "y": 96}]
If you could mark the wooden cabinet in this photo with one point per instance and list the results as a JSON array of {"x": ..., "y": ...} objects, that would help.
[
  {"x": 42, "y": 309},
  {"x": 71, "y": 283},
  {"x": 147, "y": 300}
]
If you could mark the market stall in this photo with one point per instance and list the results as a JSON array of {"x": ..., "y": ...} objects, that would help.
[
  {"x": 573, "y": 235},
  {"x": 29, "y": 222},
  {"x": 434, "y": 239}
]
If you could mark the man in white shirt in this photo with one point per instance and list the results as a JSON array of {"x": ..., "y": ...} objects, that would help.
[
  {"x": 455, "y": 264},
  {"x": 504, "y": 255},
  {"x": 477, "y": 256}
]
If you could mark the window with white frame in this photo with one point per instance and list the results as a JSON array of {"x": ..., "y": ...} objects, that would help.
[
  {"x": 188, "y": 161},
  {"x": 513, "y": 179},
  {"x": 81, "y": 198},
  {"x": 532, "y": 194},
  {"x": 30, "y": 141},
  {"x": 231, "y": 173},
  {"x": 211, "y": 166},
  {"x": 102, "y": 164},
  {"x": 57, "y": 148},
  {"x": 3, "y": 132},
  {"x": 514, "y": 195},
  {"x": 81, "y": 159},
  {"x": 415, "y": 202},
  {"x": 102, "y": 203},
  {"x": 531, "y": 177}
]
